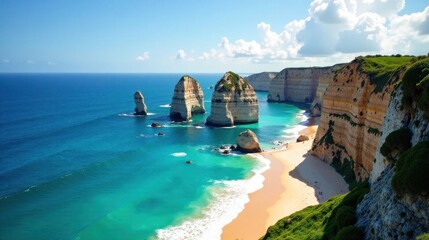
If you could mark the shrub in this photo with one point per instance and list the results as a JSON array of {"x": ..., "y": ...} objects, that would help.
[
  {"x": 412, "y": 170},
  {"x": 415, "y": 85},
  {"x": 396, "y": 142},
  {"x": 423, "y": 237},
  {"x": 345, "y": 216},
  {"x": 350, "y": 233}
]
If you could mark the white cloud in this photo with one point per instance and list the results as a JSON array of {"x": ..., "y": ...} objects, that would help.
[
  {"x": 340, "y": 28},
  {"x": 181, "y": 54},
  {"x": 143, "y": 57}
]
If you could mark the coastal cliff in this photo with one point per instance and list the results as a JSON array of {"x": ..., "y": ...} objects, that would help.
[
  {"x": 140, "y": 108},
  {"x": 261, "y": 81},
  {"x": 233, "y": 102},
  {"x": 188, "y": 99},
  {"x": 354, "y": 105},
  {"x": 397, "y": 207},
  {"x": 296, "y": 84}
]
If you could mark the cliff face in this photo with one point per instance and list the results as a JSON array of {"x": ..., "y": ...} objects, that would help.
[
  {"x": 383, "y": 213},
  {"x": 233, "y": 102},
  {"x": 296, "y": 84},
  {"x": 324, "y": 80},
  {"x": 261, "y": 81},
  {"x": 140, "y": 108},
  {"x": 188, "y": 99},
  {"x": 354, "y": 104}
]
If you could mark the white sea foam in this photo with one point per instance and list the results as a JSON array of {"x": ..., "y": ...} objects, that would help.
[
  {"x": 179, "y": 154},
  {"x": 132, "y": 115},
  {"x": 165, "y": 105},
  {"x": 199, "y": 127},
  {"x": 151, "y": 114},
  {"x": 229, "y": 198}
]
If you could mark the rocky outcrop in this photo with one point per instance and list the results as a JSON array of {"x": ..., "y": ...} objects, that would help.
[
  {"x": 188, "y": 99},
  {"x": 354, "y": 105},
  {"x": 247, "y": 142},
  {"x": 383, "y": 213},
  {"x": 302, "y": 138},
  {"x": 324, "y": 80},
  {"x": 233, "y": 102},
  {"x": 141, "y": 108},
  {"x": 296, "y": 84},
  {"x": 261, "y": 81}
]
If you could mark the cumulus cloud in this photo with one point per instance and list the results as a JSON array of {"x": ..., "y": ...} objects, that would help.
[
  {"x": 181, "y": 54},
  {"x": 333, "y": 28},
  {"x": 143, "y": 57}
]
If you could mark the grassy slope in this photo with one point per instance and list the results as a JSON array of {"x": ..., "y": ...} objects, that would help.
[{"x": 319, "y": 221}]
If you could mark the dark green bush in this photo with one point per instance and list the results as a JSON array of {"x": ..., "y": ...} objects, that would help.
[
  {"x": 396, "y": 142},
  {"x": 345, "y": 216},
  {"x": 412, "y": 170},
  {"x": 415, "y": 85},
  {"x": 350, "y": 233},
  {"x": 423, "y": 237}
]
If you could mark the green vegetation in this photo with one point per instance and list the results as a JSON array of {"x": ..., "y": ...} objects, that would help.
[
  {"x": 232, "y": 82},
  {"x": 423, "y": 237},
  {"x": 415, "y": 85},
  {"x": 327, "y": 139},
  {"x": 332, "y": 219},
  {"x": 347, "y": 118},
  {"x": 381, "y": 69},
  {"x": 374, "y": 131},
  {"x": 345, "y": 168},
  {"x": 396, "y": 143},
  {"x": 412, "y": 170}
]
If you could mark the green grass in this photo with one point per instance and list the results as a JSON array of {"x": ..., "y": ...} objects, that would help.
[
  {"x": 412, "y": 170},
  {"x": 232, "y": 83},
  {"x": 396, "y": 142},
  {"x": 415, "y": 85},
  {"x": 327, "y": 220},
  {"x": 423, "y": 237},
  {"x": 381, "y": 69}
]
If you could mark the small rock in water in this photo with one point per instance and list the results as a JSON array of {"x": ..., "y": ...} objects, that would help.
[
  {"x": 226, "y": 152},
  {"x": 232, "y": 147},
  {"x": 155, "y": 124},
  {"x": 160, "y": 134},
  {"x": 188, "y": 162},
  {"x": 222, "y": 147}
]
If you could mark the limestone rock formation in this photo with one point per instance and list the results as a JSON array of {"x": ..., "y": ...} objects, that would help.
[
  {"x": 188, "y": 99},
  {"x": 354, "y": 105},
  {"x": 261, "y": 81},
  {"x": 296, "y": 84},
  {"x": 247, "y": 142},
  {"x": 141, "y": 108},
  {"x": 233, "y": 102},
  {"x": 324, "y": 80},
  {"x": 302, "y": 138}
]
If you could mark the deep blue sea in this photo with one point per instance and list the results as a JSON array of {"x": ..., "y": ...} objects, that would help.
[{"x": 76, "y": 164}]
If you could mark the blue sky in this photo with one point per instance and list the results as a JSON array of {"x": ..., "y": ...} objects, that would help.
[{"x": 204, "y": 36}]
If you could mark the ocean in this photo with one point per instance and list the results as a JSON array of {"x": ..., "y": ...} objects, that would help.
[{"x": 75, "y": 163}]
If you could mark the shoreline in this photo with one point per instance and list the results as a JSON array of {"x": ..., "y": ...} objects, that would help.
[{"x": 295, "y": 180}]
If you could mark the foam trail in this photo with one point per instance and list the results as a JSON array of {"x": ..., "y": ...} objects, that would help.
[
  {"x": 179, "y": 154},
  {"x": 165, "y": 105},
  {"x": 229, "y": 198}
]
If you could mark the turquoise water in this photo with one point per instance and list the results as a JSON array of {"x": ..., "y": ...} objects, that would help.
[{"x": 76, "y": 164}]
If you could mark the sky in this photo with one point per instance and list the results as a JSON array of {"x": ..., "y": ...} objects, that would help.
[{"x": 194, "y": 36}]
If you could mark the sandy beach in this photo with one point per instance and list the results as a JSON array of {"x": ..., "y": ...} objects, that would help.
[{"x": 294, "y": 181}]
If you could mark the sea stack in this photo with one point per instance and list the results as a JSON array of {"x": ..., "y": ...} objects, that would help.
[
  {"x": 233, "y": 102},
  {"x": 188, "y": 99},
  {"x": 247, "y": 142},
  {"x": 141, "y": 108}
]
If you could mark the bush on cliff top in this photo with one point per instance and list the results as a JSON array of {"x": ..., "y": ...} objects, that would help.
[
  {"x": 381, "y": 69},
  {"x": 415, "y": 85},
  {"x": 396, "y": 142},
  {"x": 412, "y": 170},
  {"x": 321, "y": 221}
]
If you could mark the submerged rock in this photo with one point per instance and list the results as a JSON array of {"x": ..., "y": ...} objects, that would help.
[
  {"x": 233, "y": 102},
  {"x": 188, "y": 99},
  {"x": 247, "y": 142},
  {"x": 141, "y": 108},
  {"x": 155, "y": 124}
]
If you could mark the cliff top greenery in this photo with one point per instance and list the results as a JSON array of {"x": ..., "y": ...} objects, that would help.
[
  {"x": 233, "y": 81},
  {"x": 415, "y": 85},
  {"x": 333, "y": 219},
  {"x": 396, "y": 143},
  {"x": 381, "y": 69}
]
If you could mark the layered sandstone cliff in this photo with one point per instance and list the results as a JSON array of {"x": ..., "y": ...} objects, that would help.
[
  {"x": 188, "y": 99},
  {"x": 140, "y": 108},
  {"x": 233, "y": 102},
  {"x": 296, "y": 84},
  {"x": 354, "y": 105},
  {"x": 324, "y": 80},
  {"x": 261, "y": 81}
]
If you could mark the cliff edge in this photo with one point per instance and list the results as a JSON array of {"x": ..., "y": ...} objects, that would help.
[{"x": 261, "y": 81}]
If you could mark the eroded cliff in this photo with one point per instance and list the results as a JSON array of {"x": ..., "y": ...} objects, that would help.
[
  {"x": 296, "y": 84},
  {"x": 233, "y": 102},
  {"x": 261, "y": 81},
  {"x": 188, "y": 99},
  {"x": 354, "y": 105}
]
